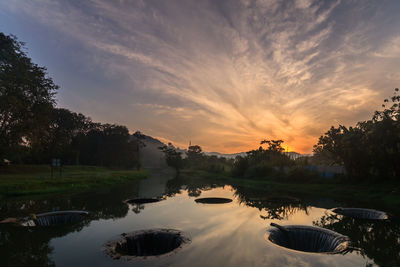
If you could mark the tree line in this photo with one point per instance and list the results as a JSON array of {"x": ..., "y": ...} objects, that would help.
[
  {"x": 194, "y": 159},
  {"x": 269, "y": 162},
  {"x": 368, "y": 151},
  {"x": 33, "y": 130}
]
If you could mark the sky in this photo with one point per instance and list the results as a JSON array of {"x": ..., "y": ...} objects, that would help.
[{"x": 221, "y": 74}]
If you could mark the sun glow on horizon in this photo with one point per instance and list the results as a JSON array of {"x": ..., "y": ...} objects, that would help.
[
  {"x": 225, "y": 75},
  {"x": 228, "y": 150}
]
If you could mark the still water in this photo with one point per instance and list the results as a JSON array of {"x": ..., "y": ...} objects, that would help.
[{"x": 231, "y": 234}]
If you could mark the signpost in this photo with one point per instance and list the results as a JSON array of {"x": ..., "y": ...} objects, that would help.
[{"x": 56, "y": 163}]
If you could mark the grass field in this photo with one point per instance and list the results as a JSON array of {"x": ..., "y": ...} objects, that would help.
[{"x": 17, "y": 180}]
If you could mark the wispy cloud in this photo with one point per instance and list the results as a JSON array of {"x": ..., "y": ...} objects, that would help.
[{"x": 226, "y": 74}]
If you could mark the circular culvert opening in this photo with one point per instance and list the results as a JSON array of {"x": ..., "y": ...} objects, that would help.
[
  {"x": 146, "y": 243},
  {"x": 358, "y": 213},
  {"x": 283, "y": 199},
  {"x": 142, "y": 200},
  {"x": 55, "y": 218},
  {"x": 276, "y": 199},
  {"x": 213, "y": 200},
  {"x": 308, "y": 239}
]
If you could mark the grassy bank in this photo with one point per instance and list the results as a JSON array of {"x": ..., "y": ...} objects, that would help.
[
  {"x": 385, "y": 195},
  {"x": 19, "y": 180}
]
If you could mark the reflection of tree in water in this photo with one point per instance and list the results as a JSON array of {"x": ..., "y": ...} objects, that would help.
[
  {"x": 136, "y": 208},
  {"x": 23, "y": 246},
  {"x": 378, "y": 240},
  {"x": 280, "y": 211},
  {"x": 101, "y": 204},
  {"x": 194, "y": 186},
  {"x": 174, "y": 186},
  {"x": 276, "y": 207}
]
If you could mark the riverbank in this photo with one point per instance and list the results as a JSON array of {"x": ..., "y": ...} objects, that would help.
[
  {"x": 384, "y": 195},
  {"x": 19, "y": 180}
]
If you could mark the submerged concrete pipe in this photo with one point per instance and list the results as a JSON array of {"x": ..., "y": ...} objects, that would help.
[
  {"x": 213, "y": 200},
  {"x": 359, "y": 213},
  {"x": 55, "y": 218},
  {"x": 142, "y": 200},
  {"x": 146, "y": 243},
  {"x": 308, "y": 238}
]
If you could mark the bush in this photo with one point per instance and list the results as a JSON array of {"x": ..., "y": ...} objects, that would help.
[
  {"x": 239, "y": 167},
  {"x": 300, "y": 174},
  {"x": 261, "y": 170}
]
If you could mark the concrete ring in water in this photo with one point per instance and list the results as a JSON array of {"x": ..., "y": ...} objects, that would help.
[
  {"x": 146, "y": 243},
  {"x": 55, "y": 218},
  {"x": 283, "y": 199},
  {"x": 213, "y": 200},
  {"x": 358, "y": 213},
  {"x": 308, "y": 239},
  {"x": 142, "y": 200},
  {"x": 276, "y": 199}
]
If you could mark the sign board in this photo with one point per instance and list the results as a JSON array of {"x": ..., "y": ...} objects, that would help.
[{"x": 56, "y": 162}]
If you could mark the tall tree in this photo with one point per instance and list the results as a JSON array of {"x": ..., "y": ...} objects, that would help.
[
  {"x": 194, "y": 153},
  {"x": 63, "y": 128},
  {"x": 194, "y": 156},
  {"x": 172, "y": 157},
  {"x": 273, "y": 145},
  {"x": 371, "y": 148},
  {"x": 26, "y": 97},
  {"x": 107, "y": 145}
]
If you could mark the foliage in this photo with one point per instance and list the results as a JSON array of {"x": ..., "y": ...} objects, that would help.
[
  {"x": 298, "y": 173},
  {"x": 57, "y": 137},
  {"x": 106, "y": 145},
  {"x": 26, "y": 98},
  {"x": 371, "y": 149},
  {"x": 173, "y": 157},
  {"x": 197, "y": 160},
  {"x": 240, "y": 166},
  {"x": 261, "y": 163},
  {"x": 194, "y": 156},
  {"x": 32, "y": 130},
  {"x": 261, "y": 170},
  {"x": 273, "y": 145}
]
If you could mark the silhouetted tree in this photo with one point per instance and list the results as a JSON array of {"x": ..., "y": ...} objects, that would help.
[
  {"x": 240, "y": 166},
  {"x": 107, "y": 145},
  {"x": 173, "y": 157},
  {"x": 371, "y": 148},
  {"x": 273, "y": 145},
  {"x": 261, "y": 163},
  {"x": 64, "y": 126},
  {"x": 26, "y": 98},
  {"x": 194, "y": 152},
  {"x": 194, "y": 157},
  {"x": 139, "y": 139}
]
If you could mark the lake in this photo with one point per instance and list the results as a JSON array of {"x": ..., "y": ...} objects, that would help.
[{"x": 230, "y": 234}]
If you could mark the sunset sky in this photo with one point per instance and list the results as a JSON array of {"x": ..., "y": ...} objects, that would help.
[{"x": 221, "y": 74}]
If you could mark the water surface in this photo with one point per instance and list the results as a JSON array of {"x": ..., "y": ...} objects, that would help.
[{"x": 230, "y": 234}]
